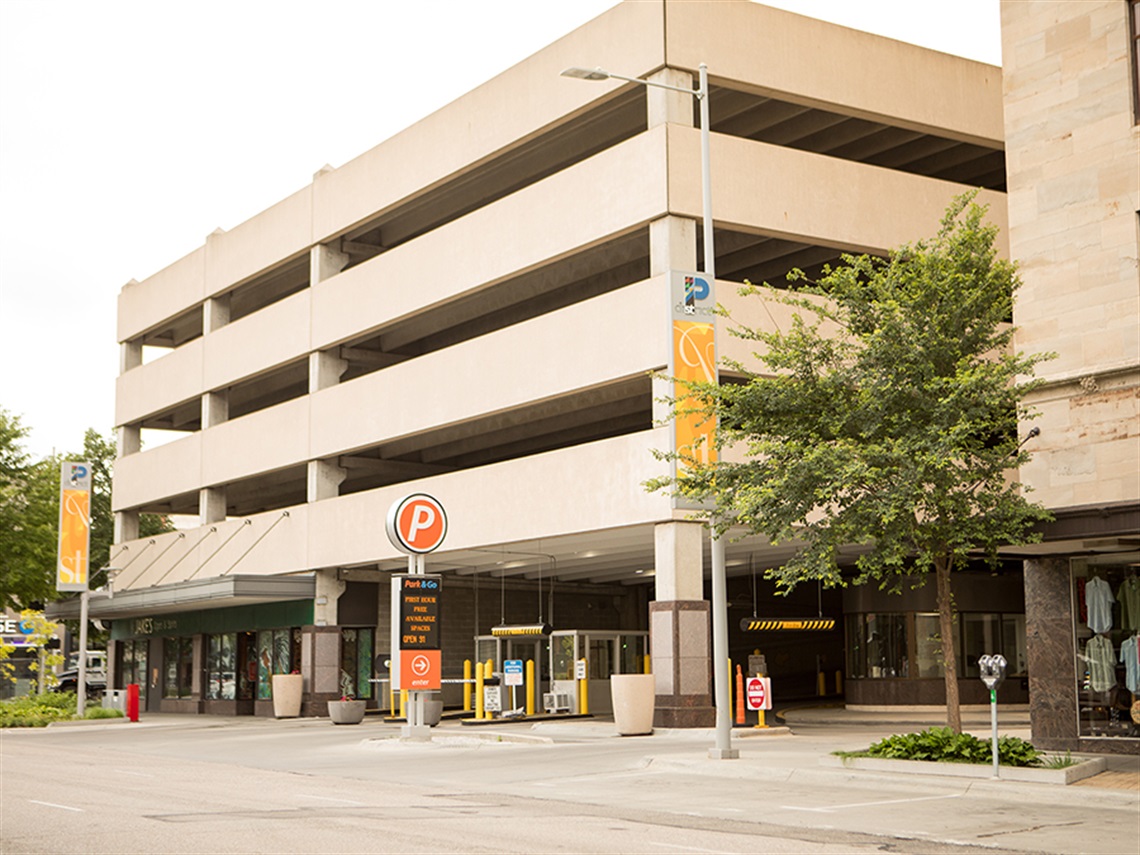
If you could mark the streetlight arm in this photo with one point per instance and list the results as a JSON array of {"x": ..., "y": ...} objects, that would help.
[{"x": 602, "y": 74}]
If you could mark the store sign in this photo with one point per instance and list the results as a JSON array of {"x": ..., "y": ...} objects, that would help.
[
  {"x": 73, "y": 560},
  {"x": 14, "y": 631},
  {"x": 513, "y": 672},
  {"x": 421, "y": 670}
]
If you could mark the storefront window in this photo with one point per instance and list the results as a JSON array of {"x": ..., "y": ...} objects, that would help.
[
  {"x": 178, "y": 658},
  {"x": 278, "y": 652},
  {"x": 132, "y": 665},
  {"x": 221, "y": 667},
  {"x": 356, "y": 662},
  {"x": 563, "y": 657},
  {"x": 877, "y": 645},
  {"x": 1106, "y": 598},
  {"x": 928, "y": 653}
]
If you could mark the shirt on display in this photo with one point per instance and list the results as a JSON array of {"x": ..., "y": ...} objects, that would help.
[
  {"x": 1102, "y": 663},
  {"x": 1098, "y": 596},
  {"x": 1128, "y": 595},
  {"x": 1130, "y": 656}
]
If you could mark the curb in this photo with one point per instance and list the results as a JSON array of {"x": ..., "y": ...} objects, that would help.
[{"x": 1065, "y": 776}]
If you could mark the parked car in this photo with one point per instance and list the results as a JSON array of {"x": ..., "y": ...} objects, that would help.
[{"x": 96, "y": 674}]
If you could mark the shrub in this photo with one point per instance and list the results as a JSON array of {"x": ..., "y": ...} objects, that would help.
[
  {"x": 101, "y": 712},
  {"x": 943, "y": 745},
  {"x": 37, "y": 710}
]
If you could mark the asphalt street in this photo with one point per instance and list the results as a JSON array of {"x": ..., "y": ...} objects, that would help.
[{"x": 201, "y": 784}]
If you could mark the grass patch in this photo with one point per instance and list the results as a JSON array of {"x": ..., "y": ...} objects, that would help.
[
  {"x": 102, "y": 712},
  {"x": 1060, "y": 761},
  {"x": 942, "y": 745}
]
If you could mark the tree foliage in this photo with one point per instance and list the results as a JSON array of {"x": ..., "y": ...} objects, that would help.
[
  {"x": 29, "y": 519},
  {"x": 29, "y": 514},
  {"x": 885, "y": 416}
]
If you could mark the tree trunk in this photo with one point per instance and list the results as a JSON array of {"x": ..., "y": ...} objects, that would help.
[{"x": 949, "y": 654}]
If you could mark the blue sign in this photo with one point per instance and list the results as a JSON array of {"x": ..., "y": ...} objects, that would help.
[{"x": 512, "y": 672}]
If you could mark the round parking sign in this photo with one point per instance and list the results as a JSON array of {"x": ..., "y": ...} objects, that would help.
[{"x": 416, "y": 523}]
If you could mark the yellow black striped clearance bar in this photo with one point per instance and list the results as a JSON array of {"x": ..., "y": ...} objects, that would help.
[
  {"x": 774, "y": 624},
  {"x": 516, "y": 630}
]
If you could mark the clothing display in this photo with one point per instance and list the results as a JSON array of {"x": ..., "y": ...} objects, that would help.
[
  {"x": 1130, "y": 657},
  {"x": 1128, "y": 595},
  {"x": 1098, "y": 597},
  {"x": 1101, "y": 660}
]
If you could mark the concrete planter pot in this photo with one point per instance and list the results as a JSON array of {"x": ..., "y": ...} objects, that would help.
[
  {"x": 347, "y": 712},
  {"x": 634, "y": 698},
  {"x": 287, "y": 691},
  {"x": 433, "y": 712}
]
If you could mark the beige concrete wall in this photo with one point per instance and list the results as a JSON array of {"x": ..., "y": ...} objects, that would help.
[
  {"x": 504, "y": 111},
  {"x": 811, "y": 197},
  {"x": 167, "y": 470},
  {"x": 277, "y": 334},
  {"x": 500, "y": 503},
  {"x": 610, "y": 193},
  {"x": 614, "y": 336},
  {"x": 171, "y": 379},
  {"x": 175, "y": 288},
  {"x": 816, "y": 63},
  {"x": 1073, "y": 153}
]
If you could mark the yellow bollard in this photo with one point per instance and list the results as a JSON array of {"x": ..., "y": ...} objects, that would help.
[
  {"x": 404, "y": 704},
  {"x": 821, "y": 684},
  {"x": 530, "y": 687},
  {"x": 839, "y": 682},
  {"x": 760, "y": 719},
  {"x": 488, "y": 669},
  {"x": 584, "y": 692},
  {"x": 645, "y": 665},
  {"x": 467, "y": 685},
  {"x": 479, "y": 692},
  {"x": 391, "y": 700}
]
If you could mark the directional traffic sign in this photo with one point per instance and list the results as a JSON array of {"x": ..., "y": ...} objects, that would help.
[{"x": 759, "y": 692}]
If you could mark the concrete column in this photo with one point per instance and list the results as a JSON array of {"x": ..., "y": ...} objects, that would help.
[
  {"x": 665, "y": 106},
  {"x": 130, "y": 355},
  {"x": 128, "y": 441},
  {"x": 325, "y": 369},
  {"x": 320, "y": 666},
  {"x": 326, "y": 261},
  {"x": 672, "y": 245},
  {"x": 325, "y": 478},
  {"x": 126, "y": 526},
  {"x": 215, "y": 313},
  {"x": 211, "y": 505},
  {"x": 328, "y": 591},
  {"x": 215, "y": 408},
  {"x": 679, "y": 628}
]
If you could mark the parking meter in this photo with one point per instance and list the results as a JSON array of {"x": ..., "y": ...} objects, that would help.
[
  {"x": 992, "y": 668},
  {"x": 993, "y": 672}
]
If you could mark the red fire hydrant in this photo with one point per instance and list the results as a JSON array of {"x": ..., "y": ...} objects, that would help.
[{"x": 133, "y": 701}]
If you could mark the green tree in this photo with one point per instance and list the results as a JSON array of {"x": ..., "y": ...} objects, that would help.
[
  {"x": 29, "y": 519},
  {"x": 29, "y": 514},
  {"x": 887, "y": 416}
]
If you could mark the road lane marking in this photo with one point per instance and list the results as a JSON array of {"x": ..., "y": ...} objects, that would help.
[
  {"x": 834, "y": 808},
  {"x": 54, "y": 805},
  {"x": 330, "y": 799}
]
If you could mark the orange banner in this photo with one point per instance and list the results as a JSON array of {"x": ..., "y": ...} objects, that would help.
[
  {"x": 694, "y": 360},
  {"x": 74, "y": 520}
]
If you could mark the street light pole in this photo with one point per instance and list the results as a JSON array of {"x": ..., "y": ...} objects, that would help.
[
  {"x": 84, "y": 607},
  {"x": 723, "y": 749}
]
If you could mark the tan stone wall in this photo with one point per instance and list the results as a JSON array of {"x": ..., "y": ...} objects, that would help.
[{"x": 1073, "y": 156}]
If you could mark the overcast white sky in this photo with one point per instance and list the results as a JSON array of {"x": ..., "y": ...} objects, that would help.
[{"x": 130, "y": 130}]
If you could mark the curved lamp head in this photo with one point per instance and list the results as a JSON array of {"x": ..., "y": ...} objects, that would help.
[{"x": 586, "y": 73}]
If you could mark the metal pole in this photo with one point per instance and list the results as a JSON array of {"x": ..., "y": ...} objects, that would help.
[
  {"x": 993, "y": 724},
  {"x": 723, "y": 749},
  {"x": 81, "y": 682}
]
